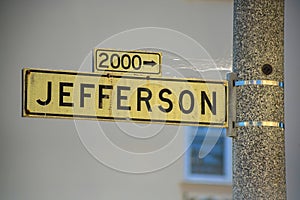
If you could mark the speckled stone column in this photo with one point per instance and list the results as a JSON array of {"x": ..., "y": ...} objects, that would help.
[{"x": 258, "y": 151}]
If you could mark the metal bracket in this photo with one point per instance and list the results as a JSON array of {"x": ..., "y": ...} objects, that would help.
[
  {"x": 258, "y": 82},
  {"x": 232, "y": 84},
  {"x": 231, "y": 78},
  {"x": 260, "y": 123}
]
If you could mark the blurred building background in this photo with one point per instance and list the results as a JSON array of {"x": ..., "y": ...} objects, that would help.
[{"x": 45, "y": 159}]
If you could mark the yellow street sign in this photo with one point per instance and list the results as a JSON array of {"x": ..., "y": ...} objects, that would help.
[
  {"x": 67, "y": 94},
  {"x": 116, "y": 61}
]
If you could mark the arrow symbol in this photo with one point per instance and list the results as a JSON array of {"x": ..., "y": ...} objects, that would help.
[{"x": 147, "y": 62}]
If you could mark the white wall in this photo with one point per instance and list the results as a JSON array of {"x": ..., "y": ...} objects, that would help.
[
  {"x": 292, "y": 97},
  {"x": 44, "y": 158}
]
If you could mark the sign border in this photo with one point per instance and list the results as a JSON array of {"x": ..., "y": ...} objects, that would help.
[{"x": 28, "y": 113}]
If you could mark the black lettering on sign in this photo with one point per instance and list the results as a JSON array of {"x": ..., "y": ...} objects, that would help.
[
  {"x": 115, "y": 61},
  {"x": 101, "y": 64},
  {"x": 120, "y": 98},
  {"x": 145, "y": 99},
  {"x": 63, "y": 94},
  {"x": 164, "y": 99},
  {"x": 103, "y": 96},
  {"x": 205, "y": 100},
  {"x": 44, "y": 103},
  {"x": 192, "y": 100},
  {"x": 128, "y": 61},
  {"x": 139, "y": 62},
  {"x": 83, "y": 94}
]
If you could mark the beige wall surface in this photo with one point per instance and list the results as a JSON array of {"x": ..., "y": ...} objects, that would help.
[{"x": 45, "y": 158}]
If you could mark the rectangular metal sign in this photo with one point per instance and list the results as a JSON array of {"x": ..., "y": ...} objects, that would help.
[
  {"x": 67, "y": 94},
  {"x": 116, "y": 61}
]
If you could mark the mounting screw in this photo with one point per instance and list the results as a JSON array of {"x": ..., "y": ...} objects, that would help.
[{"x": 267, "y": 69}]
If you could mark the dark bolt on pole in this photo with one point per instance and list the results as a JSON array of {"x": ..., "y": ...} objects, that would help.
[{"x": 258, "y": 147}]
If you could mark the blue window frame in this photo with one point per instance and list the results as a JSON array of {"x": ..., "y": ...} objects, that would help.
[{"x": 208, "y": 155}]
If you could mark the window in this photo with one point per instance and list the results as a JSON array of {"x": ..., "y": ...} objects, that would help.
[{"x": 208, "y": 157}]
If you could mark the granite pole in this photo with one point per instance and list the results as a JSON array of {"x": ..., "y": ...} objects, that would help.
[{"x": 258, "y": 59}]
